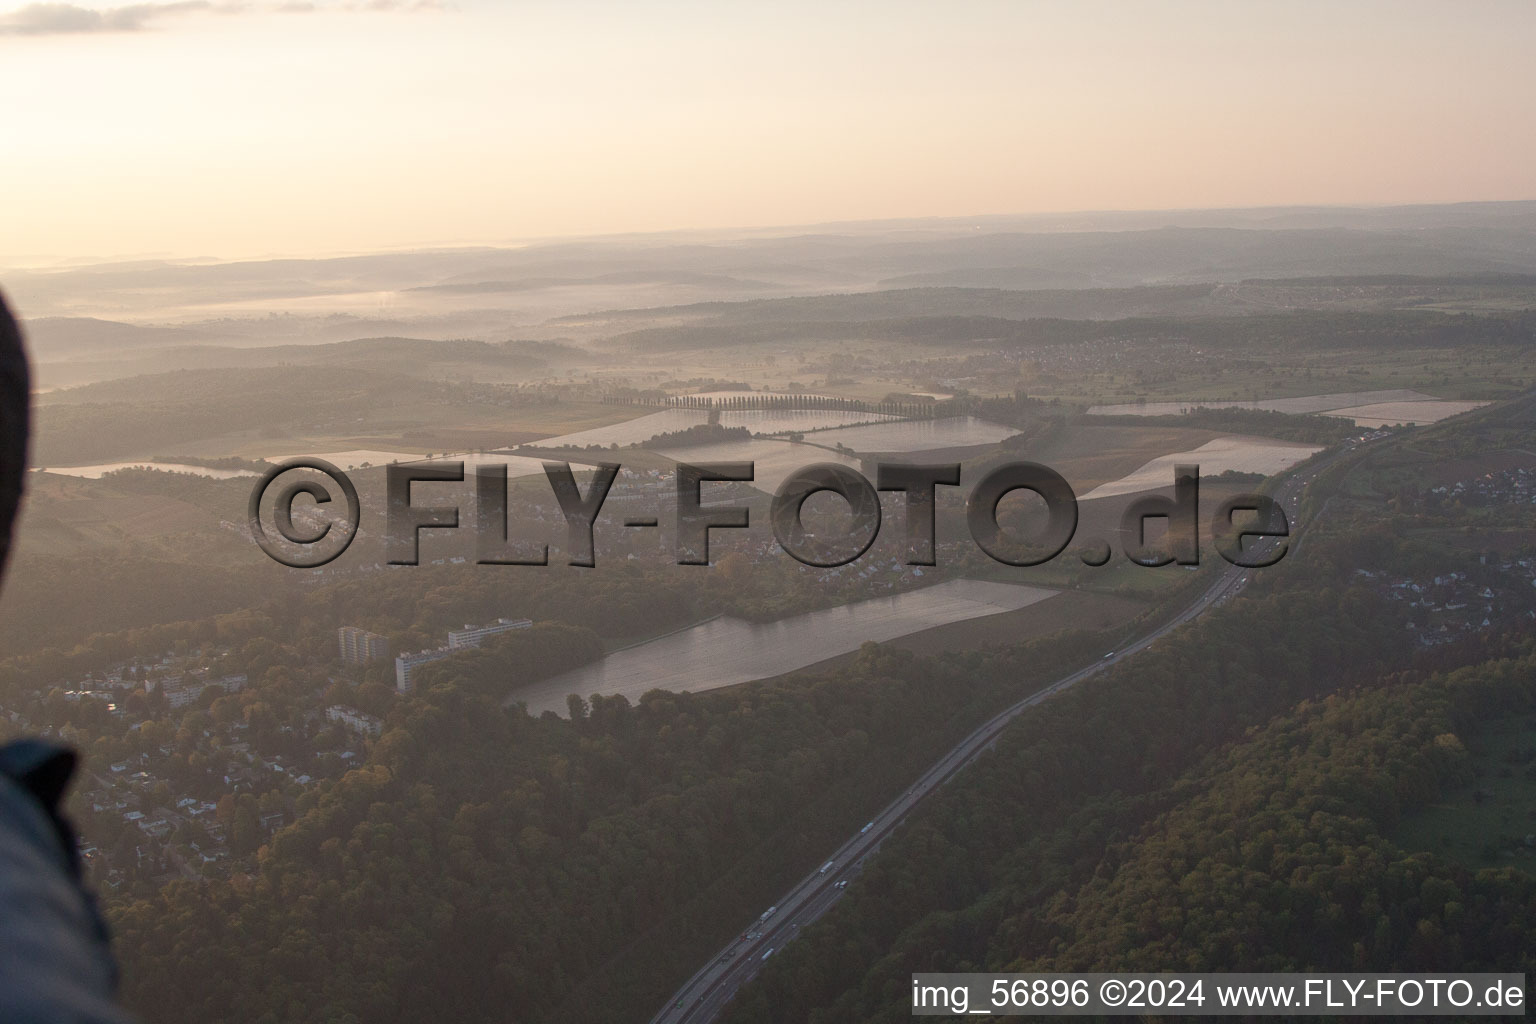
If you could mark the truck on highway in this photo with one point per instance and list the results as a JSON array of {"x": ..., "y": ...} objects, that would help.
[
  {"x": 768, "y": 913},
  {"x": 826, "y": 867}
]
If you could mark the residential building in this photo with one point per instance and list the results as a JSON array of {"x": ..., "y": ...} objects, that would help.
[
  {"x": 358, "y": 646},
  {"x": 406, "y": 664},
  {"x": 357, "y": 721},
  {"x": 471, "y": 636}
]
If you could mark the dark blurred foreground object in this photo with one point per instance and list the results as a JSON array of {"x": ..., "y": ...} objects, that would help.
[
  {"x": 55, "y": 963},
  {"x": 15, "y": 414}
]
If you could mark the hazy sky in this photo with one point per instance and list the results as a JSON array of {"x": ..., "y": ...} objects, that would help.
[{"x": 225, "y": 129}]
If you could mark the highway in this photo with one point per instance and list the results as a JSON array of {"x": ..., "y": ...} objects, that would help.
[{"x": 704, "y": 995}]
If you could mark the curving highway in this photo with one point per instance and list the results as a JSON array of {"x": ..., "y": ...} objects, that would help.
[{"x": 704, "y": 995}]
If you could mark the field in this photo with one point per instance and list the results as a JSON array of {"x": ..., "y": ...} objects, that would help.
[
  {"x": 97, "y": 472},
  {"x": 635, "y": 430},
  {"x": 1073, "y": 609},
  {"x": 69, "y": 515},
  {"x": 1387, "y": 414},
  {"x": 1240, "y": 454},
  {"x": 1092, "y": 455},
  {"x": 352, "y": 459}
]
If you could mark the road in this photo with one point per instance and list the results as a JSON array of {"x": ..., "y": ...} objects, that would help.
[{"x": 704, "y": 995}]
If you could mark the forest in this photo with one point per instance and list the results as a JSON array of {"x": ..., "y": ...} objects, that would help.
[
  {"x": 1247, "y": 800},
  {"x": 1270, "y": 788},
  {"x": 1273, "y": 852},
  {"x": 474, "y": 844},
  {"x": 551, "y": 864},
  {"x": 1230, "y": 801}
]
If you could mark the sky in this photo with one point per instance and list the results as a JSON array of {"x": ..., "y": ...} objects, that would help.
[{"x": 233, "y": 130}]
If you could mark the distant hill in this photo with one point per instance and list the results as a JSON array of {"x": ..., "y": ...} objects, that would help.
[
  {"x": 698, "y": 280},
  {"x": 55, "y": 337},
  {"x": 1086, "y": 250}
]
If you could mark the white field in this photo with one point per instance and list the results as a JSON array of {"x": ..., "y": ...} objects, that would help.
[
  {"x": 355, "y": 458},
  {"x": 97, "y": 472},
  {"x": 774, "y": 460},
  {"x": 641, "y": 428},
  {"x": 1387, "y": 414},
  {"x": 917, "y": 435},
  {"x": 1308, "y": 404},
  {"x": 1244, "y": 454}
]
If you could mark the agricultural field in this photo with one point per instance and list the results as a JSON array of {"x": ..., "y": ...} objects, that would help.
[
  {"x": 1234, "y": 454},
  {"x": 1417, "y": 413},
  {"x": 356, "y": 458},
  {"x": 632, "y": 431},
  {"x": 97, "y": 472},
  {"x": 1090, "y": 455},
  {"x": 68, "y": 514}
]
